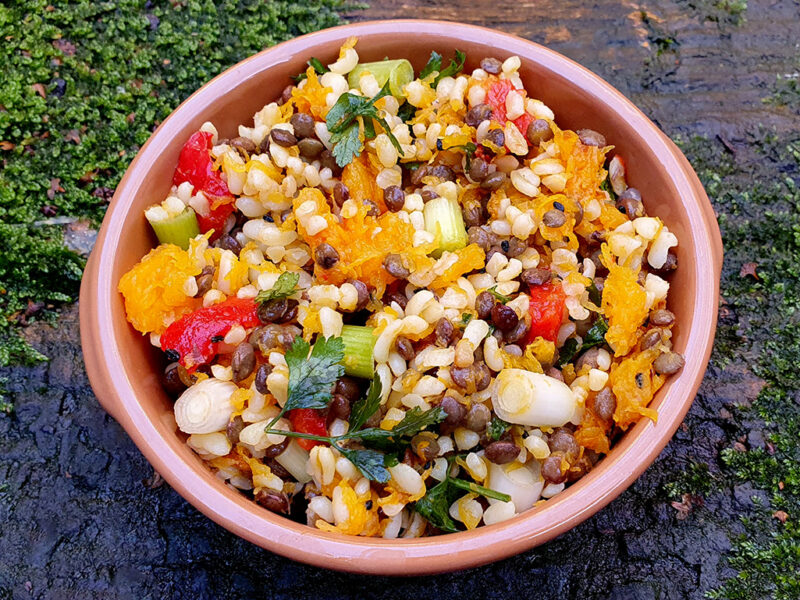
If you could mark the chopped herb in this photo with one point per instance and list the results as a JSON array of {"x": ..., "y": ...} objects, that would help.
[
  {"x": 435, "y": 504},
  {"x": 594, "y": 294},
  {"x": 606, "y": 187},
  {"x": 365, "y": 407},
  {"x": 369, "y": 462},
  {"x": 469, "y": 486},
  {"x": 497, "y": 428},
  {"x": 318, "y": 67},
  {"x": 285, "y": 286},
  {"x": 413, "y": 422},
  {"x": 594, "y": 337},
  {"x": 345, "y": 126},
  {"x": 372, "y": 462},
  {"x": 434, "y": 64},
  {"x": 407, "y": 112},
  {"x": 466, "y": 318},
  {"x": 412, "y": 165},
  {"x": 498, "y": 296}
]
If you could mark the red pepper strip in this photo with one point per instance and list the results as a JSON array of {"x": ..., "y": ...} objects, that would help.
[
  {"x": 196, "y": 336},
  {"x": 496, "y": 98},
  {"x": 196, "y": 167},
  {"x": 308, "y": 420},
  {"x": 547, "y": 311}
]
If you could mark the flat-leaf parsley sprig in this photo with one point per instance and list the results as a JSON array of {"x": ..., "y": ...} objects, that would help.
[{"x": 346, "y": 119}]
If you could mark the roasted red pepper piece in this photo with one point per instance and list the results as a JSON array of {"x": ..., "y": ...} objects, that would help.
[
  {"x": 496, "y": 98},
  {"x": 308, "y": 420},
  {"x": 196, "y": 167},
  {"x": 547, "y": 311},
  {"x": 196, "y": 336}
]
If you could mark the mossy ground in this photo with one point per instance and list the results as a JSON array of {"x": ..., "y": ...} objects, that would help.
[
  {"x": 84, "y": 84},
  {"x": 757, "y": 197}
]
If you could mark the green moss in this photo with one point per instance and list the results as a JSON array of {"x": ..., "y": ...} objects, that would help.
[
  {"x": 109, "y": 73},
  {"x": 695, "y": 480},
  {"x": 722, "y": 12},
  {"x": 760, "y": 223}
]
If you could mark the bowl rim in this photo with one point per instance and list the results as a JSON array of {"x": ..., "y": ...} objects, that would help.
[{"x": 630, "y": 457}]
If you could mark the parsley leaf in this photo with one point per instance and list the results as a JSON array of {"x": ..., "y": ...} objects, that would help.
[
  {"x": 465, "y": 318},
  {"x": 498, "y": 296},
  {"x": 606, "y": 187},
  {"x": 316, "y": 64},
  {"x": 365, "y": 407},
  {"x": 594, "y": 337},
  {"x": 369, "y": 462},
  {"x": 347, "y": 146},
  {"x": 435, "y": 506},
  {"x": 414, "y": 421},
  {"x": 469, "y": 486},
  {"x": 434, "y": 64},
  {"x": 453, "y": 68},
  {"x": 497, "y": 428},
  {"x": 594, "y": 294},
  {"x": 285, "y": 286},
  {"x": 311, "y": 377},
  {"x": 407, "y": 112},
  {"x": 345, "y": 129}
]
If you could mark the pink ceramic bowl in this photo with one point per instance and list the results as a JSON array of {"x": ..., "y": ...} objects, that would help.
[{"x": 124, "y": 369}]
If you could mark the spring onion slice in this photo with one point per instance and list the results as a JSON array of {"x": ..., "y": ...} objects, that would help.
[
  {"x": 397, "y": 72},
  {"x": 359, "y": 343},
  {"x": 177, "y": 230},
  {"x": 443, "y": 219}
]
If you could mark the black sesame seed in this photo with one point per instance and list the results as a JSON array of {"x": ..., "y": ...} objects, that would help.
[
  {"x": 439, "y": 145},
  {"x": 368, "y": 505},
  {"x": 639, "y": 380},
  {"x": 504, "y": 245},
  {"x": 269, "y": 219},
  {"x": 172, "y": 355},
  {"x": 558, "y": 206},
  {"x": 217, "y": 338}
]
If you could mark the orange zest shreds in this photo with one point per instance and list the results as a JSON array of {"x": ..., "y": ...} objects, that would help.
[
  {"x": 634, "y": 384},
  {"x": 624, "y": 304},
  {"x": 470, "y": 258},
  {"x": 153, "y": 289},
  {"x": 311, "y": 97},
  {"x": 359, "y": 177},
  {"x": 363, "y": 242},
  {"x": 592, "y": 433},
  {"x": 356, "y": 511},
  {"x": 528, "y": 361}
]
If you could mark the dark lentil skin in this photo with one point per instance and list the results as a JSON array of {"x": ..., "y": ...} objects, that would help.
[{"x": 243, "y": 361}]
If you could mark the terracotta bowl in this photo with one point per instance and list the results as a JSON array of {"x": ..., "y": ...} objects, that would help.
[{"x": 124, "y": 369}]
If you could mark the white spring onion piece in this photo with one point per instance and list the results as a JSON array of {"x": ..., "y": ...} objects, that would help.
[
  {"x": 205, "y": 407},
  {"x": 527, "y": 398},
  {"x": 522, "y": 482}
]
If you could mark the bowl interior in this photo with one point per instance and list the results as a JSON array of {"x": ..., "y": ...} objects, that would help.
[{"x": 234, "y": 98}]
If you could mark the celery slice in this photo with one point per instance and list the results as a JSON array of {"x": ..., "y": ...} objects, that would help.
[
  {"x": 359, "y": 343},
  {"x": 397, "y": 72},
  {"x": 177, "y": 230},
  {"x": 443, "y": 219},
  {"x": 294, "y": 459}
]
